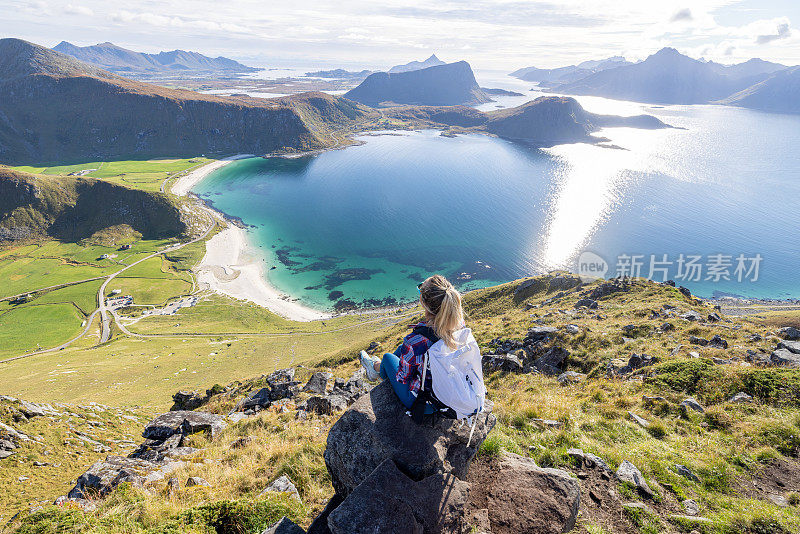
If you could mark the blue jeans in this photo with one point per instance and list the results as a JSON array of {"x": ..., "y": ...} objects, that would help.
[{"x": 389, "y": 365}]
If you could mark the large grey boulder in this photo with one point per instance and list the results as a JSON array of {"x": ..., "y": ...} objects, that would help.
[
  {"x": 785, "y": 357},
  {"x": 388, "y": 501},
  {"x": 520, "y": 496},
  {"x": 628, "y": 472},
  {"x": 282, "y": 484},
  {"x": 185, "y": 422},
  {"x": 550, "y": 363},
  {"x": 791, "y": 346},
  {"x": 376, "y": 428},
  {"x": 789, "y": 332},
  {"x": 318, "y": 383},
  {"x": 327, "y": 405},
  {"x": 284, "y": 526},
  {"x": 501, "y": 362},
  {"x": 105, "y": 475}
]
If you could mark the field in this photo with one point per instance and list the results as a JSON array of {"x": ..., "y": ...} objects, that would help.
[
  {"x": 147, "y": 371},
  {"x": 144, "y": 174},
  {"x": 53, "y": 315}
]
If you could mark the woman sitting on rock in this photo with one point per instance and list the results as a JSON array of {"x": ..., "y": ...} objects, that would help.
[{"x": 444, "y": 316}]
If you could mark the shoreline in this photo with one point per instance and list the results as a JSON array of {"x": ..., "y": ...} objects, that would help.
[
  {"x": 185, "y": 183},
  {"x": 229, "y": 267}
]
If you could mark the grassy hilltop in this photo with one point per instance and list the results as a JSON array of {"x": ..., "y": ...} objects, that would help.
[{"x": 737, "y": 451}]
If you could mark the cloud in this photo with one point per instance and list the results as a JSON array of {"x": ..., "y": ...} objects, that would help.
[
  {"x": 162, "y": 21},
  {"x": 71, "y": 9},
  {"x": 782, "y": 32},
  {"x": 681, "y": 15}
]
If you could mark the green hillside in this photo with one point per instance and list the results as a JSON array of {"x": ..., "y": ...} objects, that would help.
[
  {"x": 71, "y": 208},
  {"x": 734, "y": 450}
]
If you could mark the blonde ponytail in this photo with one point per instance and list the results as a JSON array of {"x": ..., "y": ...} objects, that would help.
[{"x": 443, "y": 301}]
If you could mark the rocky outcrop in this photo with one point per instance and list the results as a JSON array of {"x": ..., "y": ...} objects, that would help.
[
  {"x": 513, "y": 495},
  {"x": 393, "y": 475},
  {"x": 789, "y": 332},
  {"x": 391, "y": 502},
  {"x": 157, "y": 456},
  {"x": 183, "y": 423},
  {"x": 107, "y": 474},
  {"x": 376, "y": 428}
]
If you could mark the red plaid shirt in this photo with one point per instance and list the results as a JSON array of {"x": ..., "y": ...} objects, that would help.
[{"x": 411, "y": 354}]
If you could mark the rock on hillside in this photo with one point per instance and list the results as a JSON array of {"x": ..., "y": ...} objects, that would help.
[
  {"x": 376, "y": 427},
  {"x": 73, "y": 208},
  {"x": 393, "y": 475},
  {"x": 515, "y": 495},
  {"x": 442, "y": 85},
  {"x": 55, "y": 108}
]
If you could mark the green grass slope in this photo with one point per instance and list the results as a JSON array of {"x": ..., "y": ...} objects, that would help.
[{"x": 737, "y": 450}]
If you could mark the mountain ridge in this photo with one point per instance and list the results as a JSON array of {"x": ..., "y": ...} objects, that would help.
[
  {"x": 116, "y": 58},
  {"x": 432, "y": 61},
  {"x": 440, "y": 85},
  {"x": 59, "y": 109},
  {"x": 666, "y": 77}
]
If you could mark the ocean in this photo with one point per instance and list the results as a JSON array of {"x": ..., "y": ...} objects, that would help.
[{"x": 711, "y": 204}]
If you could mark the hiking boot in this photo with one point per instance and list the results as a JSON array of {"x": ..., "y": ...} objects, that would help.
[{"x": 368, "y": 362}]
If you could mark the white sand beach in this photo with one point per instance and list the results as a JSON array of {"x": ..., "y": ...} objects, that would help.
[
  {"x": 230, "y": 269},
  {"x": 184, "y": 184}
]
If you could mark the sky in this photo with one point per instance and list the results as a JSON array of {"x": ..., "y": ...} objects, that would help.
[{"x": 491, "y": 34}]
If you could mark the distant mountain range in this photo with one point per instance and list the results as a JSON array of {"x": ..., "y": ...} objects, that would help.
[
  {"x": 54, "y": 108},
  {"x": 669, "y": 77},
  {"x": 778, "y": 93},
  {"x": 121, "y": 60},
  {"x": 340, "y": 74},
  {"x": 441, "y": 85},
  {"x": 432, "y": 61},
  {"x": 570, "y": 73}
]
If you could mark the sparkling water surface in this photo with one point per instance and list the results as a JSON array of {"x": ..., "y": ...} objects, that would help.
[{"x": 363, "y": 225}]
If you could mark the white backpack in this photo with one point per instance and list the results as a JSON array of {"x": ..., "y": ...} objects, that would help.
[{"x": 457, "y": 375}]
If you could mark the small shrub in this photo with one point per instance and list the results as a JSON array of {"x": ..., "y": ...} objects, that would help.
[
  {"x": 234, "y": 517},
  {"x": 646, "y": 522},
  {"x": 718, "y": 419},
  {"x": 491, "y": 446},
  {"x": 794, "y": 499},
  {"x": 657, "y": 429},
  {"x": 765, "y": 525},
  {"x": 627, "y": 490},
  {"x": 718, "y": 477},
  {"x": 518, "y": 421},
  {"x": 785, "y": 438},
  {"x": 766, "y": 455}
]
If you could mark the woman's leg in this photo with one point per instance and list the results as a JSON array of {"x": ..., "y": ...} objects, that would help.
[{"x": 389, "y": 365}]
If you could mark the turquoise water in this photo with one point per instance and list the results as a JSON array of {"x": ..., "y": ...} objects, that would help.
[{"x": 362, "y": 226}]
